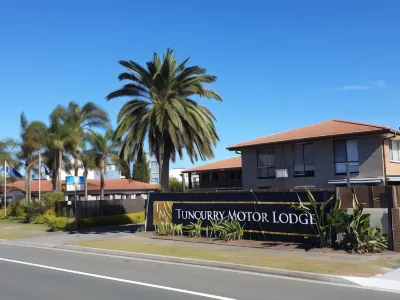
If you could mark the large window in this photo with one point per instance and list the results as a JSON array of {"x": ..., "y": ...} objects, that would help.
[
  {"x": 266, "y": 163},
  {"x": 303, "y": 160},
  {"x": 154, "y": 167},
  {"x": 395, "y": 150},
  {"x": 346, "y": 152}
]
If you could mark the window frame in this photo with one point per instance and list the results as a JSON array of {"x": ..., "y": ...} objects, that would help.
[
  {"x": 268, "y": 166},
  {"x": 304, "y": 164},
  {"x": 347, "y": 161},
  {"x": 391, "y": 150}
]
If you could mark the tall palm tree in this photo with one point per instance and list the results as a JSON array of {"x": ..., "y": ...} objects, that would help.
[
  {"x": 81, "y": 120},
  {"x": 104, "y": 150},
  {"x": 87, "y": 163},
  {"x": 161, "y": 108},
  {"x": 33, "y": 136},
  {"x": 60, "y": 135}
]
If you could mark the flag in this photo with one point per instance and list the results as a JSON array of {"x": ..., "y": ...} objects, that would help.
[
  {"x": 10, "y": 170},
  {"x": 46, "y": 169}
]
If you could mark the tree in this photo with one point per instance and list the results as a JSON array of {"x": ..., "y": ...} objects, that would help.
[
  {"x": 162, "y": 111},
  {"x": 81, "y": 120},
  {"x": 104, "y": 151},
  {"x": 59, "y": 136},
  {"x": 87, "y": 163},
  {"x": 33, "y": 137},
  {"x": 175, "y": 186},
  {"x": 141, "y": 170}
]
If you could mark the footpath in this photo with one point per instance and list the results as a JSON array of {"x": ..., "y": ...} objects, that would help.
[{"x": 376, "y": 271}]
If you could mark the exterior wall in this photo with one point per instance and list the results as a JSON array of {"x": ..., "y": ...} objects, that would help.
[
  {"x": 369, "y": 155},
  {"x": 392, "y": 168}
]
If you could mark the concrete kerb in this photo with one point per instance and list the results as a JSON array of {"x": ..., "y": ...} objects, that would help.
[{"x": 196, "y": 262}]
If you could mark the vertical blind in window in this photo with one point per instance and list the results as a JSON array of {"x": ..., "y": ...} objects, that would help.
[
  {"x": 266, "y": 162},
  {"x": 346, "y": 152}
]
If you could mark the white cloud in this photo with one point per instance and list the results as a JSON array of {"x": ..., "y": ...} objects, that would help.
[
  {"x": 380, "y": 84},
  {"x": 353, "y": 88}
]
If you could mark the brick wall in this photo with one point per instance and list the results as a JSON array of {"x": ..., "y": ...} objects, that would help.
[{"x": 396, "y": 228}]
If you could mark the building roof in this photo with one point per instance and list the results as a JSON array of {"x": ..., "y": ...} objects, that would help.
[
  {"x": 93, "y": 185},
  {"x": 230, "y": 163},
  {"x": 320, "y": 130}
]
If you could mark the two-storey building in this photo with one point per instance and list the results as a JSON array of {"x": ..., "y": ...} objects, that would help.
[{"x": 321, "y": 156}]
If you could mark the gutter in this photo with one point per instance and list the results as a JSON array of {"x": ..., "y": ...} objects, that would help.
[{"x": 384, "y": 155}]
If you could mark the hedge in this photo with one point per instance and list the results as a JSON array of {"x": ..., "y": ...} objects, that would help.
[{"x": 112, "y": 220}]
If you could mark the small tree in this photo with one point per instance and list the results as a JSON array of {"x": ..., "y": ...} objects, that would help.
[
  {"x": 175, "y": 186},
  {"x": 141, "y": 171}
]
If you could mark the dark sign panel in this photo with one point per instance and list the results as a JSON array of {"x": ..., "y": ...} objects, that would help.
[{"x": 269, "y": 215}]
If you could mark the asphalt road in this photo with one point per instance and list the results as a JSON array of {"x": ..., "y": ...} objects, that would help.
[{"x": 34, "y": 273}]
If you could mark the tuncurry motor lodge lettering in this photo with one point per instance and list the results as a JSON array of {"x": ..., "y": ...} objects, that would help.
[
  {"x": 277, "y": 218},
  {"x": 246, "y": 216}
]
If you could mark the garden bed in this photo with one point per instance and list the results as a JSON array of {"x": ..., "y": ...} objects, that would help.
[{"x": 273, "y": 245}]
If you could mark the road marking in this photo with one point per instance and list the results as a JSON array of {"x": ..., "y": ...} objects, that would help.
[
  {"x": 361, "y": 287},
  {"x": 117, "y": 279}
]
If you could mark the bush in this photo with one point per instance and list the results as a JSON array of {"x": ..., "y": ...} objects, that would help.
[
  {"x": 112, "y": 220},
  {"x": 175, "y": 186},
  {"x": 57, "y": 223},
  {"x": 50, "y": 199}
]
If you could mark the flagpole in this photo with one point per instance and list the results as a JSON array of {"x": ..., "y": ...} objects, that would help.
[
  {"x": 5, "y": 188},
  {"x": 40, "y": 168}
]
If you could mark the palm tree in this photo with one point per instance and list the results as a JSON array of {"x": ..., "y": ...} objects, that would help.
[
  {"x": 161, "y": 109},
  {"x": 104, "y": 151},
  {"x": 81, "y": 120},
  {"x": 33, "y": 136},
  {"x": 60, "y": 135},
  {"x": 87, "y": 163}
]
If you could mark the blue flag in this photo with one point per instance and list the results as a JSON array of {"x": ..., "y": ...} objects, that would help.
[{"x": 12, "y": 171}]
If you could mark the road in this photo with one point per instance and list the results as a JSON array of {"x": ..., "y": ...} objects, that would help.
[{"x": 45, "y": 274}]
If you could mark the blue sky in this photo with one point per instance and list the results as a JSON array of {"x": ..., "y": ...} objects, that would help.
[{"x": 280, "y": 64}]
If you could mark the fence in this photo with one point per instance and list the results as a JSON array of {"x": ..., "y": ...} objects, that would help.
[{"x": 100, "y": 208}]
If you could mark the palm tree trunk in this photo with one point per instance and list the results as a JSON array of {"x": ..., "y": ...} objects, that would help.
[
  {"x": 85, "y": 174},
  {"x": 76, "y": 162},
  {"x": 59, "y": 169},
  {"x": 102, "y": 174},
  {"x": 165, "y": 171},
  {"x": 27, "y": 185}
]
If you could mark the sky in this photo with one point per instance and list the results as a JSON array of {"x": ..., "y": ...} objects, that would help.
[{"x": 280, "y": 64}]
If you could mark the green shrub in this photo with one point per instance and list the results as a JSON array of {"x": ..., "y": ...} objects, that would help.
[
  {"x": 194, "y": 229},
  {"x": 39, "y": 219},
  {"x": 358, "y": 235},
  {"x": 57, "y": 223},
  {"x": 230, "y": 230},
  {"x": 175, "y": 186},
  {"x": 50, "y": 199},
  {"x": 112, "y": 220}
]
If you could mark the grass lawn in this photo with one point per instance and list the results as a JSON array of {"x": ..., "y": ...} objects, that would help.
[
  {"x": 317, "y": 265},
  {"x": 14, "y": 229}
]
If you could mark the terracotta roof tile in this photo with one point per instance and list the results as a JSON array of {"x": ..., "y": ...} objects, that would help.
[
  {"x": 230, "y": 163},
  {"x": 329, "y": 128},
  {"x": 93, "y": 185}
]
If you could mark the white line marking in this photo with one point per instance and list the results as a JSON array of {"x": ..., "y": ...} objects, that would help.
[
  {"x": 361, "y": 287},
  {"x": 117, "y": 279}
]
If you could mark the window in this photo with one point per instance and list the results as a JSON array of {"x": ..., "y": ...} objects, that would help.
[
  {"x": 266, "y": 163},
  {"x": 215, "y": 176},
  {"x": 154, "y": 167},
  {"x": 303, "y": 160},
  {"x": 395, "y": 150},
  {"x": 346, "y": 152},
  {"x": 232, "y": 175},
  {"x": 154, "y": 180},
  {"x": 239, "y": 175},
  {"x": 205, "y": 177}
]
